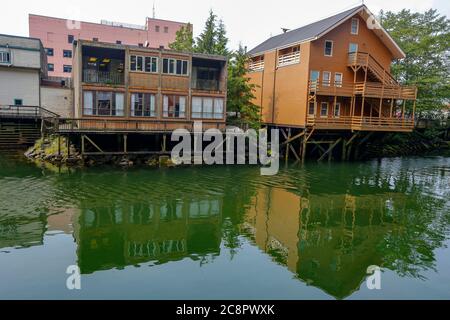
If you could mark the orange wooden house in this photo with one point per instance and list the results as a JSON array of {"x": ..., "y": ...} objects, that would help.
[{"x": 334, "y": 74}]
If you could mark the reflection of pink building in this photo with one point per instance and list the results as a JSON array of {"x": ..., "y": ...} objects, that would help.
[{"x": 57, "y": 35}]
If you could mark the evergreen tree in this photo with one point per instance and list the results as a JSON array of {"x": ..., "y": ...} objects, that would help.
[
  {"x": 240, "y": 91},
  {"x": 425, "y": 38},
  {"x": 221, "y": 39},
  {"x": 206, "y": 42},
  {"x": 184, "y": 40}
]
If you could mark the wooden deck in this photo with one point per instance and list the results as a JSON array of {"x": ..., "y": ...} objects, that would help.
[{"x": 362, "y": 124}]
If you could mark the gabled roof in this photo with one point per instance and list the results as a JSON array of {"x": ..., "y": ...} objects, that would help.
[{"x": 319, "y": 28}]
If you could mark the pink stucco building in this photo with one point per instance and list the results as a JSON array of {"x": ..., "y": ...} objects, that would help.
[{"x": 58, "y": 34}]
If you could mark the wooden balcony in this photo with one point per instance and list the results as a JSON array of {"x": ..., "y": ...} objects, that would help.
[
  {"x": 367, "y": 89},
  {"x": 102, "y": 77},
  {"x": 362, "y": 124}
]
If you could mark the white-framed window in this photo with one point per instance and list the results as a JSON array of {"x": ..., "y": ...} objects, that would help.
[
  {"x": 311, "y": 109},
  {"x": 143, "y": 105},
  {"x": 326, "y": 78},
  {"x": 352, "y": 48},
  {"x": 355, "y": 26},
  {"x": 174, "y": 106},
  {"x": 175, "y": 66},
  {"x": 144, "y": 63},
  {"x": 5, "y": 57},
  {"x": 337, "y": 110},
  {"x": 207, "y": 108},
  {"x": 338, "y": 77},
  {"x": 328, "y": 48},
  {"x": 103, "y": 103},
  {"x": 324, "y": 109}
]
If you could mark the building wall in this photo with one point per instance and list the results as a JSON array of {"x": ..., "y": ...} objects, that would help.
[
  {"x": 54, "y": 32},
  {"x": 341, "y": 36},
  {"x": 57, "y": 100},
  {"x": 16, "y": 83}
]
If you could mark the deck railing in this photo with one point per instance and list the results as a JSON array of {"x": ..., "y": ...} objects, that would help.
[
  {"x": 366, "y": 60},
  {"x": 288, "y": 59},
  {"x": 128, "y": 125},
  {"x": 17, "y": 111},
  {"x": 364, "y": 123},
  {"x": 368, "y": 89},
  {"x": 94, "y": 76}
]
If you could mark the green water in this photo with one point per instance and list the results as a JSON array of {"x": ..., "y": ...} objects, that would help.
[{"x": 226, "y": 232}]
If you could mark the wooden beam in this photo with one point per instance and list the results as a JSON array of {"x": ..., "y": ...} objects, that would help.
[
  {"x": 352, "y": 138},
  {"x": 330, "y": 149},
  {"x": 125, "y": 143},
  {"x": 289, "y": 140},
  {"x": 92, "y": 142}
]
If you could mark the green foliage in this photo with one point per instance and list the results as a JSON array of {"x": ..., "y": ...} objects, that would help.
[
  {"x": 184, "y": 40},
  {"x": 240, "y": 91},
  {"x": 425, "y": 38}
]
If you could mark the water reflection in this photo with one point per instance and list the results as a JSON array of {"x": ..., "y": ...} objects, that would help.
[{"x": 325, "y": 224}]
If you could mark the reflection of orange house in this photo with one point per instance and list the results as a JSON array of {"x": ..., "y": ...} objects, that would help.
[{"x": 332, "y": 74}]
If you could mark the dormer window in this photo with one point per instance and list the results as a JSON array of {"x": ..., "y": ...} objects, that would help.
[
  {"x": 355, "y": 26},
  {"x": 256, "y": 63},
  {"x": 289, "y": 56}
]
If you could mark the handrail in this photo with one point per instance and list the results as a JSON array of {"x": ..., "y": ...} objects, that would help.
[
  {"x": 368, "y": 60},
  {"x": 27, "y": 111}
]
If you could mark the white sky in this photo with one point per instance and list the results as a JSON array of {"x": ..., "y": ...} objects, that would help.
[{"x": 247, "y": 21}]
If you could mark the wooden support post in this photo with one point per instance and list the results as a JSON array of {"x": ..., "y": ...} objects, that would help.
[
  {"x": 329, "y": 152},
  {"x": 68, "y": 146},
  {"x": 164, "y": 146},
  {"x": 304, "y": 143},
  {"x": 59, "y": 145},
  {"x": 344, "y": 141},
  {"x": 286, "y": 156},
  {"x": 381, "y": 108},
  {"x": 392, "y": 108},
  {"x": 125, "y": 143},
  {"x": 82, "y": 144}
]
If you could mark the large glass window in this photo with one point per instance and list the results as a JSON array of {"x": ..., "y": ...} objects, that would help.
[
  {"x": 143, "y": 105},
  {"x": 103, "y": 103},
  {"x": 174, "y": 106},
  {"x": 175, "y": 66},
  {"x": 207, "y": 108}
]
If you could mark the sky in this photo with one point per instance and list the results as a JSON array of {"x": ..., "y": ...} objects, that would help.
[{"x": 249, "y": 22}]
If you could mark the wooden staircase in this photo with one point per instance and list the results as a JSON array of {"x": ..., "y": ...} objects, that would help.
[
  {"x": 19, "y": 134},
  {"x": 363, "y": 60}
]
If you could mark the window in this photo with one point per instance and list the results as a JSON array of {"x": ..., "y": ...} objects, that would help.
[
  {"x": 328, "y": 48},
  {"x": 324, "y": 109},
  {"x": 156, "y": 28},
  {"x": 337, "y": 110},
  {"x": 18, "y": 102},
  {"x": 175, "y": 66},
  {"x": 338, "y": 79},
  {"x": 312, "y": 109},
  {"x": 314, "y": 78},
  {"x": 70, "y": 38},
  {"x": 118, "y": 42},
  {"x": 353, "y": 47},
  {"x": 355, "y": 26},
  {"x": 67, "y": 53},
  {"x": 67, "y": 68},
  {"x": 207, "y": 108},
  {"x": 326, "y": 78},
  {"x": 143, "y": 64},
  {"x": 5, "y": 57},
  {"x": 140, "y": 45},
  {"x": 174, "y": 106},
  {"x": 166, "y": 29},
  {"x": 103, "y": 103},
  {"x": 50, "y": 67},
  {"x": 49, "y": 52},
  {"x": 143, "y": 105},
  {"x": 95, "y": 39}
]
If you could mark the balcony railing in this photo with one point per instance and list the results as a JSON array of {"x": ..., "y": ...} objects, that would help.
[
  {"x": 206, "y": 85},
  {"x": 94, "y": 76},
  {"x": 17, "y": 111},
  {"x": 255, "y": 66},
  {"x": 288, "y": 59},
  {"x": 368, "y": 89}
]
